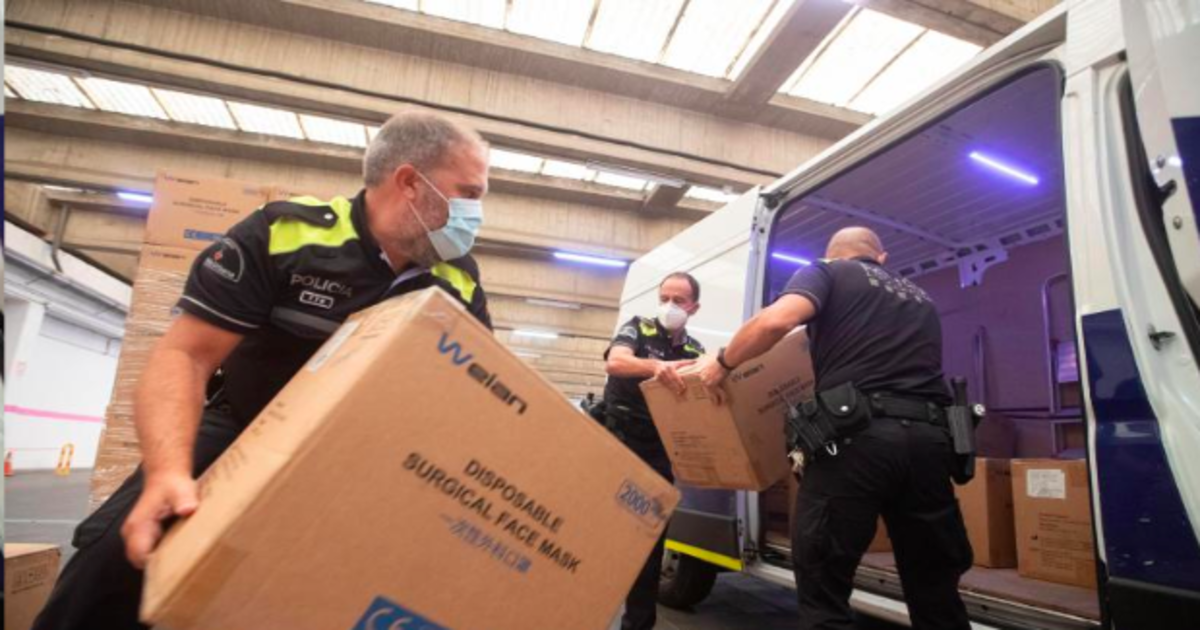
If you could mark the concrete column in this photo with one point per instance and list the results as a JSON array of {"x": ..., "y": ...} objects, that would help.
[{"x": 22, "y": 324}]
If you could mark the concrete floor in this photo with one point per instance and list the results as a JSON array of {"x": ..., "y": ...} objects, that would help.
[
  {"x": 45, "y": 508},
  {"x": 41, "y": 507}
]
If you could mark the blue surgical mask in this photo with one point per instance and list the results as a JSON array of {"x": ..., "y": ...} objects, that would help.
[{"x": 457, "y": 237}]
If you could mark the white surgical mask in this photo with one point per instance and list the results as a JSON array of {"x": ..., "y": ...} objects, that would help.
[
  {"x": 672, "y": 316},
  {"x": 457, "y": 237}
]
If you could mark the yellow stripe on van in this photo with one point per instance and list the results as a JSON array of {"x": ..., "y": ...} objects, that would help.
[{"x": 711, "y": 557}]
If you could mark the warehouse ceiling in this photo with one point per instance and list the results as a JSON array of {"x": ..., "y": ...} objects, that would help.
[
  {"x": 869, "y": 62},
  {"x": 614, "y": 124}
]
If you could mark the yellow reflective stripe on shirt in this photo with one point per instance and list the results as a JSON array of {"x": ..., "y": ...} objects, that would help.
[
  {"x": 648, "y": 328},
  {"x": 690, "y": 348},
  {"x": 290, "y": 234},
  {"x": 459, "y": 279}
]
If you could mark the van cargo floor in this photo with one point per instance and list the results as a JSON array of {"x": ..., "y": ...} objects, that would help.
[{"x": 1005, "y": 584}]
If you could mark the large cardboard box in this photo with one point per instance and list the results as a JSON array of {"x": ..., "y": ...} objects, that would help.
[
  {"x": 1052, "y": 507},
  {"x": 414, "y": 468},
  {"x": 738, "y": 445},
  {"x": 29, "y": 574},
  {"x": 192, "y": 212},
  {"x": 987, "y": 508}
]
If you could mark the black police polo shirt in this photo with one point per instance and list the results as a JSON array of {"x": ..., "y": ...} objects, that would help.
[
  {"x": 649, "y": 340},
  {"x": 879, "y": 331},
  {"x": 287, "y": 276}
]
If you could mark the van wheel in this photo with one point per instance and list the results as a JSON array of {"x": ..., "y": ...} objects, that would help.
[{"x": 684, "y": 581}]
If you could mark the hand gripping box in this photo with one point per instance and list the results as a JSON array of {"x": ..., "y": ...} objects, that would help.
[
  {"x": 413, "y": 470},
  {"x": 738, "y": 445}
]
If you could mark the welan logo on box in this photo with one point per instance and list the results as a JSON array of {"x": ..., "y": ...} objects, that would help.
[
  {"x": 385, "y": 614},
  {"x": 490, "y": 380}
]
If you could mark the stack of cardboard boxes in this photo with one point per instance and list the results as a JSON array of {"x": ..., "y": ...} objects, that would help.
[
  {"x": 1032, "y": 514},
  {"x": 187, "y": 216}
]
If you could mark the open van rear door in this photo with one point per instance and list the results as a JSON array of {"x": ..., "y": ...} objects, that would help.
[
  {"x": 1133, "y": 164},
  {"x": 1163, "y": 43}
]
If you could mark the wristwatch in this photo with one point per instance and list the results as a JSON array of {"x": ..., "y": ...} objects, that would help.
[{"x": 721, "y": 359}]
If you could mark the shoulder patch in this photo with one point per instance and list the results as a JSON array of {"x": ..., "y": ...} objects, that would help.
[
  {"x": 649, "y": 328},
  {"x": 320, "y": 216},
  {"x": 225, "y": 260}
]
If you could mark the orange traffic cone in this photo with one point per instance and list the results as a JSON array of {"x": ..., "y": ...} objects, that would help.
[{"x": 8, "y": 465}]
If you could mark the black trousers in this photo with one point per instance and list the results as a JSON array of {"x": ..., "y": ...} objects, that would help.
[
  {"x": 99, "y": 588},
  {"x": 641, "y": 606},
  {"x": 900, "y": 470}
]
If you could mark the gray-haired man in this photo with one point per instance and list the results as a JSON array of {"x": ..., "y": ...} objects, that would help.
[{"x": 257, "y": 305}]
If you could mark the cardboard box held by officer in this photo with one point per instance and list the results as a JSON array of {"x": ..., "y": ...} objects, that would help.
[
  {"x": 740, "y": 444},
  {"x": 413, "y": 470}
]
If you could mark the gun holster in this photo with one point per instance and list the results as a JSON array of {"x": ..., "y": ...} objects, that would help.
[
  {"x": 961, "y": 420},
  {"x": 627, "y": 425},
  {"x": 832, "y": 415}
]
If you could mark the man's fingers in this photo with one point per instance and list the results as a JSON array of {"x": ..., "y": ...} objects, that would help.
[
  {"x": 184, "y": 500},
  {"x": 141, "y": 536}
]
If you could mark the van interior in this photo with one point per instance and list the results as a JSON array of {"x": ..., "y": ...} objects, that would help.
[{"x": 972, "y": 209}]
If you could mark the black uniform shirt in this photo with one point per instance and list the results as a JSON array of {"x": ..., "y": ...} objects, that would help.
[
  {"x": 879, "y": 331},
  {"x": 649, "y": 340},
  {"x": 287, "y": 276}
]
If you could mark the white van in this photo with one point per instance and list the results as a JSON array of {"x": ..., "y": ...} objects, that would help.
[{"x": 1046, "y": 196}]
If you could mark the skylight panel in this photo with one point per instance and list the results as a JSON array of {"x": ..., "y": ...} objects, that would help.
[
  {"x": 195, "y": 109},
  {"x": 636, "y": 29},
  {"x": 408, "y": 5},
  {"x": 45, "y": 87},
  {"x": 489, "y": 13},
  {"x": 760, "y": 36},
  {"x": 562, "y": 21},
  {"x": 854, "y": 57},
  {"x": 513, "y": 161},
  {"x": 710, "y": 35},
  {"x": 121, "y": 97},
  {"x": 568, "y": 170},
  {"x": 333, "y": 131},
  {"x": 372, "y": 131},
  {"x": 704, "y": 193},
  {"x": 621, "y": 181},
  {"x": 932, "y": 57},
  {"x": 268, "y": 120}
]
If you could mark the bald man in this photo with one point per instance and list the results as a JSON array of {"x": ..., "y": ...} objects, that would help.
[{"x": 879, "y": 336}]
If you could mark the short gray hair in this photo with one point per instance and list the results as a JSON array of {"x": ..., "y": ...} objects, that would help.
[{"x": 416, "y": 138}]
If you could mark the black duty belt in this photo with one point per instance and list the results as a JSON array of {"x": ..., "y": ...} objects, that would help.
[{"x": 916, "y": 409}]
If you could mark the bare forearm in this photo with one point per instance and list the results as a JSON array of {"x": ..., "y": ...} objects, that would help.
[
  {"x": 629, "y": 366},
  {"x": 759, "y": 335},
  {"x": 170, "y": 400}
]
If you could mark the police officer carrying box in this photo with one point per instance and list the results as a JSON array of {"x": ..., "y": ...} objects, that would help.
[
  {"x": 643, "y": 349},
  {"x": 258, "y": 304},
  {"x": 875, "y": 439}
]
